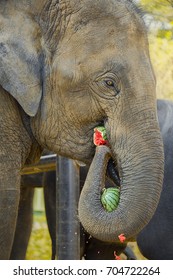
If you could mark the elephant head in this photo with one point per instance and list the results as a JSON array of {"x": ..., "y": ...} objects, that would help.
[{"x": 73, "y": 65}]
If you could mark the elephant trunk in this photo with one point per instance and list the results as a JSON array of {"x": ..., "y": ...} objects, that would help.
[{"x": 140, "y": 167}]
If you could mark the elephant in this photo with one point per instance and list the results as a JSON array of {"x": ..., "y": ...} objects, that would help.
[
  {"x": 58, "y": 81},
  {"x": 150, "y": 240},
  {"x": 155, "y": 241}
]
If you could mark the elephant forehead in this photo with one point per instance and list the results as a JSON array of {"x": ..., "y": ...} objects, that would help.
[
  {"x": 87, "y": 59},
  {"x": 99, "y": 41},
  {"x": 91, "y": 47},
  {"x": 121, "y": 12},
  {"x": 85, "y": 65}
]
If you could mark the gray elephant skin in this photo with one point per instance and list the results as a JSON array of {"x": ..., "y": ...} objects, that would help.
[
  {"x": 65, "y": 68},
  {"x": 154, "y": 241}
]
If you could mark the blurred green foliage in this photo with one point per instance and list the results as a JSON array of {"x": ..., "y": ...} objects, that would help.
[
  {"x": 161, "y": 51},
  {"x": 161, "y": 10},
  {"x": 161, "y": 43},
  {"x": 39, "y": 244}
]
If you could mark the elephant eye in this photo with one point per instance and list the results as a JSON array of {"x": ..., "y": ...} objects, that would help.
[
  {"x": 112, "y": 85},
  {"x": 109, "y": 83}
]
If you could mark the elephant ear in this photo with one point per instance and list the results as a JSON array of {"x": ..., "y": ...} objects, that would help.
[{"x": 20, "y": 70}]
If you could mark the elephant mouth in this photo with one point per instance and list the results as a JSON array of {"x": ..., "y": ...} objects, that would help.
[{"x": 112, "y": 172}]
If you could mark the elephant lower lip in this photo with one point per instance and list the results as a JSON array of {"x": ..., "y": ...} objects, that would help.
[{"x": 112, "y": 172}]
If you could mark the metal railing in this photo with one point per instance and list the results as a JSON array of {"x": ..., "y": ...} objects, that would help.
[{"x": 46, "y": 163}]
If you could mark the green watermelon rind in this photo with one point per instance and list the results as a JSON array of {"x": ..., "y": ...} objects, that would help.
[
  {"x": 108, "y": 201},
  {"x": 103, "y": 131}
]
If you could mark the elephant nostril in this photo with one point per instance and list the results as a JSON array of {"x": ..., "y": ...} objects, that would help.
[{"x": 112, "y": 172}]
